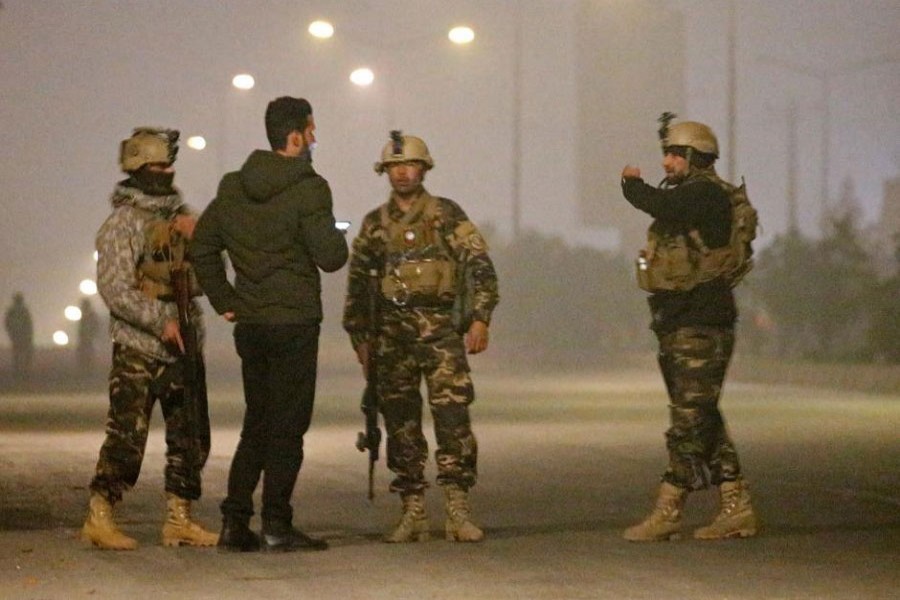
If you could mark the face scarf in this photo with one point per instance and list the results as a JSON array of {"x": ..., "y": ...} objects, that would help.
[{"x": 153, "y": 183}]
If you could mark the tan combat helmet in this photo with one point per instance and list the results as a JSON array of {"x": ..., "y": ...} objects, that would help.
[
  {"x": 691, "y": 134},
  {"x": 148, "y": 145},
  {"x": 403, "y": 148}
]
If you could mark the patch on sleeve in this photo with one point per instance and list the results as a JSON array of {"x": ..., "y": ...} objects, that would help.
[{"x": 469, "y": 237}]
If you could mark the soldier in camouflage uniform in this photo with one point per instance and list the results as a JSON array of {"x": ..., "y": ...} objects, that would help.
[
  {"x": 693, "y": 312},
  {"x": 427, "y": 257},
  {"x": 137, "y": 245}
]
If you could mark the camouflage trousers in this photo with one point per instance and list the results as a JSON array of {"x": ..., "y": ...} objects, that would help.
[
  {"x": 135, "y": 383},
  {"x": 693, "y": 361},
  {"x": 402, "y": 364}
]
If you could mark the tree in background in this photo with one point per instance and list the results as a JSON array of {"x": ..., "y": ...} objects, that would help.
[
  {"x": 842, "y": 315},
  {"x": 787, "y": 284},
  {"x": 818, "y": 292},
  {"x": 884, "y": 331}
]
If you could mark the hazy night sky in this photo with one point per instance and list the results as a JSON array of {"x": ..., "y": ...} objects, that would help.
[{"x": 79, "y": 74}]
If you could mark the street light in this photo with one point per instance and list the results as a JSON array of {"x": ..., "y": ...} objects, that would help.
[
  {"x": 461, "y": 35},
  {"x": 196, "y": 142},
  {"x": 243, "y": 81},
  {"x": 72, "y": 313},
  {"x": 88, "y": 287},
  {"x": 362, "y": 77},
  {"x": 321, "y": 29}
]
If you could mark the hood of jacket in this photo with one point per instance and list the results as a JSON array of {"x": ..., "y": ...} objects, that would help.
[
  {"x": 125, "y": 195},
  {"x": 266, "y": 174}
]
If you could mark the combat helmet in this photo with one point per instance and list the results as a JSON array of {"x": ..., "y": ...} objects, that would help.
[
  {"x": 687, "y": 134},
  {"x": 148, "y": 145},
  {"x": 403, "y": 148}
]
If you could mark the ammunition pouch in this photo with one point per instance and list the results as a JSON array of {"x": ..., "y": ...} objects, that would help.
[
  {"x": 166, "y": 252},
  {"x": 678, "y": 260},
  {"x": 155, "y": 281},
  {"x": 680, "y": 271},
  {"x": 671, "y": 267},
  {"x": 413, "y": 282}
]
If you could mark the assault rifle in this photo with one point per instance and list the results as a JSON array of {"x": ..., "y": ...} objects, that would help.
[
  {"x": 370, "y": 439},
  {"x": 181, "y": 287}
]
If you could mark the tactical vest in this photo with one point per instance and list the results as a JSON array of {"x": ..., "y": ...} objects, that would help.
[
  {"x": 165, "y": 250},
  {"x": 419, "y": 267},
  {"x": 678, "y": 260}
]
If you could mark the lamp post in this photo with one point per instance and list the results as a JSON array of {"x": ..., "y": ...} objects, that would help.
[
  {"x": 732, "y": 90},
  {"x": 516, "y": 195}
]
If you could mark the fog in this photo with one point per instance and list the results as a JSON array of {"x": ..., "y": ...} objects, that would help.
[{"x": 502, "y": 119}]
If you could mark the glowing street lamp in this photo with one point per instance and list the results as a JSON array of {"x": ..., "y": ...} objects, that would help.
[
  {"x": 197, "y": 142},
  {"x": 243, "y": 81},
  {"x": 461, "y": 35},
  {"x": 321, "y": 29},
  {"x": 73, "y": 313},
  {"x": 362, "y": 77},
  {"x": 60, "y": 338},
  {"x": 88, "y": 287}
]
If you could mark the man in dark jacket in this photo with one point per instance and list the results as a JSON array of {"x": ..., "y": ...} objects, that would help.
[{"x": 274, "y": 219}]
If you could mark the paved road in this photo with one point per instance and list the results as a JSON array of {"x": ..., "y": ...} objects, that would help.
[{"x": 567, "y": 462}]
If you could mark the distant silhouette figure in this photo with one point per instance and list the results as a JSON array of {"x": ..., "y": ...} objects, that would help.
[
  {"x": 88, "y": 330},
  {"x": 21, "y": 333}
]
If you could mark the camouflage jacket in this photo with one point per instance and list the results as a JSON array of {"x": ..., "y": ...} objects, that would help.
[
  {"x": 464, "y": 244},
  {"x": 136, "y": 320}
]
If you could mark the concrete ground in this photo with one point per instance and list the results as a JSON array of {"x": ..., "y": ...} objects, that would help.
[{"x": 566, "y": 463}]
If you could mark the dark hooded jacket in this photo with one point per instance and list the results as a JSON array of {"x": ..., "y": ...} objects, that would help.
[{"x": 274, "y": 219}]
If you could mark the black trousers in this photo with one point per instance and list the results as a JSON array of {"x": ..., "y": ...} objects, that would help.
[{"x": 278, "y": 364}]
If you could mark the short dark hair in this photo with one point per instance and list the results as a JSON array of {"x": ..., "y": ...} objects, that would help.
[{"x": 285, "y": 115}]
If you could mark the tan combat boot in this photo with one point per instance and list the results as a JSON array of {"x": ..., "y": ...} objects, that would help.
[
  {"x": 664, "y": 523},
  {"x": 459, "y": 526},
  {"x": 413, "y": 525},
  {"x": 180, "y": 529},
  {"x": 100, "y": 529},
  {"x": 735, "y": 518}
]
